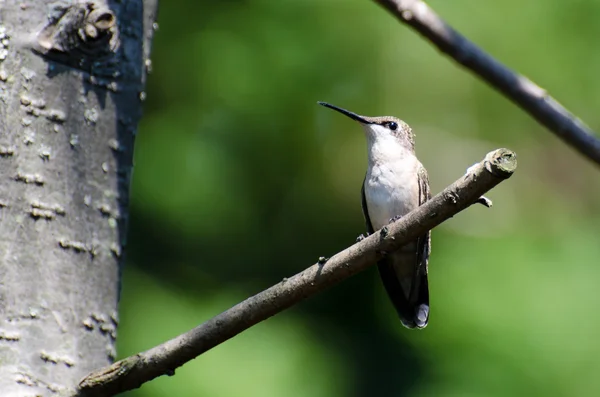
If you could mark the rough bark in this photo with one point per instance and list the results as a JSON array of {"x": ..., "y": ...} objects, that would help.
[{"x": 71, "y": 84}]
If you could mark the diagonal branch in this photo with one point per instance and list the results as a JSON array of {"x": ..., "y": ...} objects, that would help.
[
  {"x": 522, "y": 91},
  {"x": 133, "y": 371}
]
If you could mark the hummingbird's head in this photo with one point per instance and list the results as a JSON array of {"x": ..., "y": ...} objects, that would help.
[{"x": 385, "y": 129}]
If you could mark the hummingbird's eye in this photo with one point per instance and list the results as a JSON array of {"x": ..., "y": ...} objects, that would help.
[{"x": 392, "y": 125}]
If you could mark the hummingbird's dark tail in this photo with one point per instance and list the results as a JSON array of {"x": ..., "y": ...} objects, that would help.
[{"x": 408, "y": 290}]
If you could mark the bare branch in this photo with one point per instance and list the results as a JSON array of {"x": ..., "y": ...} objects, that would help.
[
  {"x": 133, "y": 371},
  {"x": 522, "y": 91}
]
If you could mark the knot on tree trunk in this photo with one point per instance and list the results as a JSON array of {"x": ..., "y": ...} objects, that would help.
[{"x": 79, "y": 35}]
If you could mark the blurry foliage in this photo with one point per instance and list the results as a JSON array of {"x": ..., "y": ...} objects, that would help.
[{"x": 241, "y": 180}]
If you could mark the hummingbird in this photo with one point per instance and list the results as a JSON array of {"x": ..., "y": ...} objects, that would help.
[{"x": 395, "y": 184}]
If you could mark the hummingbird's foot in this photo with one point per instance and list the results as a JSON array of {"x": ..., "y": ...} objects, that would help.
[
  {"x": 383, "y": 232},
  {"x": 394, "y": 219},
  {"x": 362, "y": 237}
]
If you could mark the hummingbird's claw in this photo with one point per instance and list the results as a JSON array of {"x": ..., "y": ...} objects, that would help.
[
  {"x": 384, "y": 231},
  {"x": 394, "y": 219},
  {"x": 362, "y": 237}
]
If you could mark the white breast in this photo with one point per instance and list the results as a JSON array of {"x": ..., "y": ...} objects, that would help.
[{"x": 391, "y": 187}]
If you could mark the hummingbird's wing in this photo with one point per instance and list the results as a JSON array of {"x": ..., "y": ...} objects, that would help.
[
  {"x": 365, "y": 210},
  {"x": 419, "y": 294},
  {"x": 412, "y": 306},
  {"x": 390, "y": 279}
]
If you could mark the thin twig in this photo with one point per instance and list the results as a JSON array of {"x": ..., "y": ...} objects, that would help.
[
  {"x": 133, "y": 371},
  {"x": 530, "y": 97}
]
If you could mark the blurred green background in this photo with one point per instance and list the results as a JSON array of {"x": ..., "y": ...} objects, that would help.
[{"x": 241, "y": 179}]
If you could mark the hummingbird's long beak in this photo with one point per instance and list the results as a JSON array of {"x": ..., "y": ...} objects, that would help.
[{"x": 348, "y": 113}]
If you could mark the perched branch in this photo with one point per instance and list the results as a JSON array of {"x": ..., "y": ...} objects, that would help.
[
  {"x": 133, "y": 371},
  {"x": 530, "y": 97}
]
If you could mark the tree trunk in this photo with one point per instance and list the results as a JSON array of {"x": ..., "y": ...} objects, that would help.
[{"x": 71, "y": 86}]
